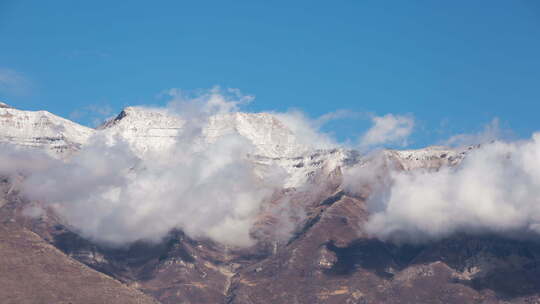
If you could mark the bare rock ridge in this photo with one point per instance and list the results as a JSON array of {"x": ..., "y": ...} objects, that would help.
[
  {"x": 33, "y": 270},
  {"x": 328, "y": 258}
]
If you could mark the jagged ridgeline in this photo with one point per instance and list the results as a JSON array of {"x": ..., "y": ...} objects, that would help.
[{"x": 153, "y": 206}]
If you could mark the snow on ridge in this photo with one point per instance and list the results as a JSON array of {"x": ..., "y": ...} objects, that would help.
[
  {"x": 148, "y": 129},
  {"x": 145, "y": 129},
  {"x": 270, "y": 137},
  {"x": 431, "y": 157},
  {"x": 41, "y": 129},
  {"x": 157, "y": 129}
]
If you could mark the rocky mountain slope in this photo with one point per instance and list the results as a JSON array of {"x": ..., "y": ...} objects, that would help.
[
  {"x": 32, "y": 270},
  {"x": 326, "y": 258}
]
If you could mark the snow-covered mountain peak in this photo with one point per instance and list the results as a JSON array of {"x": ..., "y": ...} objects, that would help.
[
  {"x": 428, "y": 158},
  {"x": 140, "y": 117},
  {"x": 267, "y": 133},
  {"x": 155, "y": 130},
  {"x": 4, "y": 105},
  {"x": 41, "y": 129},
  {"x": 148, "y": 129}
]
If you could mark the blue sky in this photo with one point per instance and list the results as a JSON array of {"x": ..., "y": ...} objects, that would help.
[{"x": 454, "y": 65}]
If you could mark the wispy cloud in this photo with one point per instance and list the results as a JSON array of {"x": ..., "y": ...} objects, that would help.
[
  {"x": 336, "y": 115},
  {"x": 13, "y": 82},
  {"x": 490, "y": 132},
  {"x": 388, "y": 129},
  {"x": 95, "y": 114},
  {"x": 306, "y": 130}
]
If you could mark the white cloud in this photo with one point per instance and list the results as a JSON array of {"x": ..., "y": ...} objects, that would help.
[
  {"x": 388, "y": 129},
  {"x": 336, "y": 115},
  {"x": 206, "y": 102},
  {"x": 13, "y": 82},
  {"x": 306, "y": 130},
  {"x": 495, "y": 190},
  {"x": 110, "y": 195},
  {"x": 491, "y": 132}
]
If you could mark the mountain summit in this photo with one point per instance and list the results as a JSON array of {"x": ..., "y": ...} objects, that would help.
[
  {"x": 306, "y": 219},
  {"x": 146, "y": 128},
  {"x": 41, "y": 129}
]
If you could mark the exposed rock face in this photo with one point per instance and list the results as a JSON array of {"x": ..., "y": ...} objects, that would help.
[
  {"x": 32, "y": 270},
  {"x": 328, "y": 257}
]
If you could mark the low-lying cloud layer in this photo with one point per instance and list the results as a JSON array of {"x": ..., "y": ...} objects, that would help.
[
  {"x": 111, "y": 193},
  {"x": 496, "y": 189}
]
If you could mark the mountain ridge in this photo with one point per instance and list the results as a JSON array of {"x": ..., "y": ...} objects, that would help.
[
  {"x": 321, "y": 254},
  {"x": 146, "y": 129}
]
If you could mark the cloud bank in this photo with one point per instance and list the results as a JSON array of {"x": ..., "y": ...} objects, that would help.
[
  {"x": 496, "y": 189},
  {"x": 110, "y": 195}
]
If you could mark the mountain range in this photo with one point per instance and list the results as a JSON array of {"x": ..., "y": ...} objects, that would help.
[{"x": 307, "y": 238}]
